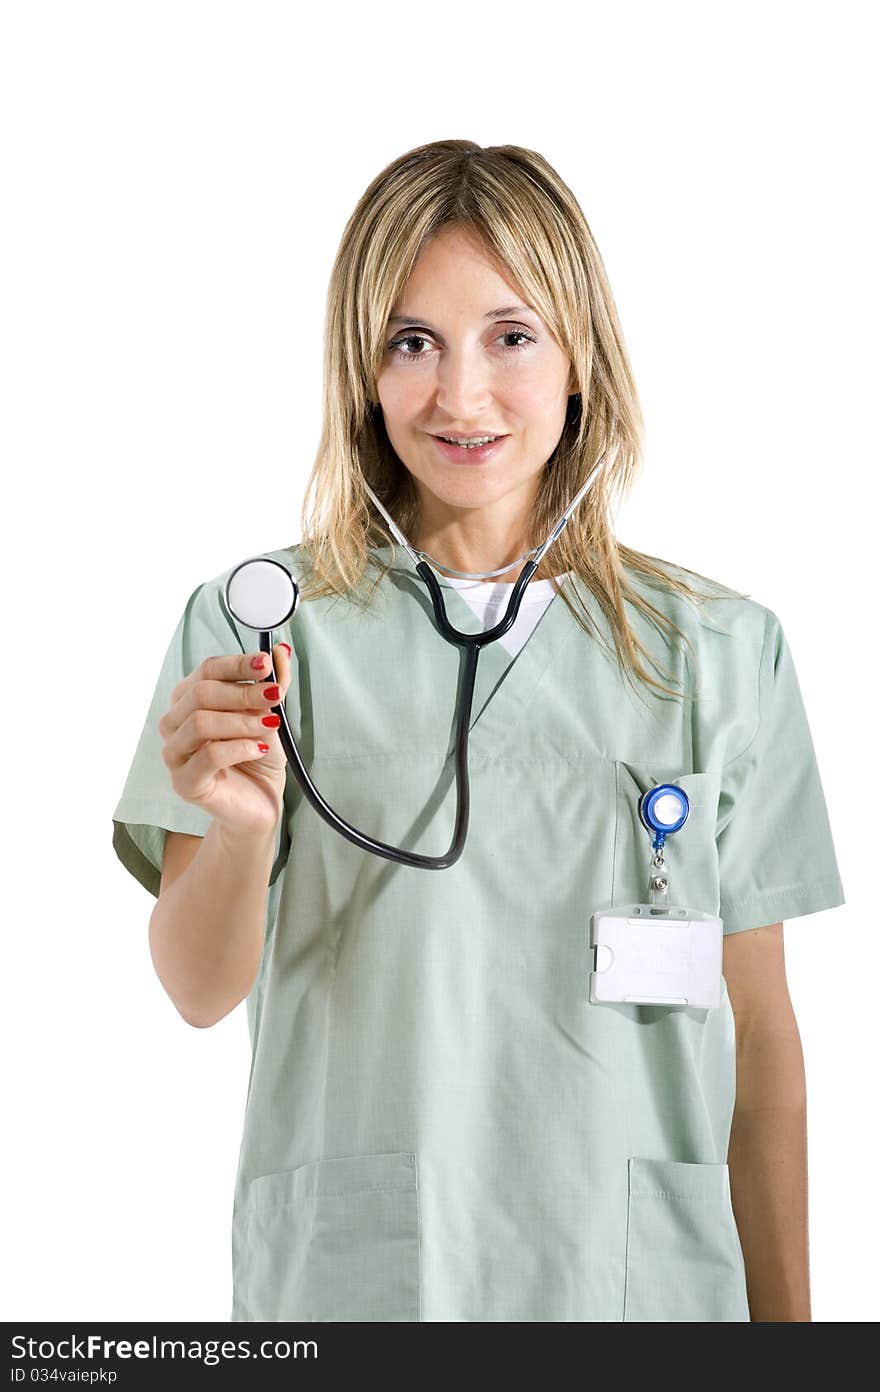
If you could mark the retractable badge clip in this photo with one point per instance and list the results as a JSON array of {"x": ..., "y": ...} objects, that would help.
[{"x": 656, "y": 953}]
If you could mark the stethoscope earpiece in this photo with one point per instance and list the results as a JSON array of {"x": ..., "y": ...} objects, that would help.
[
  {"x": 664, "y": 809},
  {"x": 261, "y": 594}
]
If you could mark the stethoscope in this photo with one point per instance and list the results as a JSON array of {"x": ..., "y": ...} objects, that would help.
[{"x": 262, "y": 595}]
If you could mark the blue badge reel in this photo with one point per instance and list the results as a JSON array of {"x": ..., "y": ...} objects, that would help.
[{"x": 657, "y": 953}]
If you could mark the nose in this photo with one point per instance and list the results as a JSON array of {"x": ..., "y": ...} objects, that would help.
[{"x": 463, "y": 384}]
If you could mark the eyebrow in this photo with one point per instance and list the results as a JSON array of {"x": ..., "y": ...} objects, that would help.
[{"x": 502, "y": 313}]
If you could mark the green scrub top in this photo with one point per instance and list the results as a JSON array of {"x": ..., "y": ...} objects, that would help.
[{"x": 439, "y": 1125}]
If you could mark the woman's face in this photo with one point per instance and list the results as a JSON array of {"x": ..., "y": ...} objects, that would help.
[{"x": 454, "y": 366}]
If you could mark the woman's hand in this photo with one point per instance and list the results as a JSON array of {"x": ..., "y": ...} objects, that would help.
[{"x": 212, "y": 733}]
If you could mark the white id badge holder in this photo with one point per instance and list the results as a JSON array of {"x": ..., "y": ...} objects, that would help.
[{"x": 657, "y": 953}]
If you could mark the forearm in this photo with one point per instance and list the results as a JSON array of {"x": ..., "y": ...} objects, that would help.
[
  {"x": 768, "y": 1169},
  {"x": 207, "y": 927}
]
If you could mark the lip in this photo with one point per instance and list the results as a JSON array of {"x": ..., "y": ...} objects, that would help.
[{"x": 469, "y": 456}]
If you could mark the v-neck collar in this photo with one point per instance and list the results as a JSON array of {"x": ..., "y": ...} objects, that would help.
[{"x": 505, "y": 683}]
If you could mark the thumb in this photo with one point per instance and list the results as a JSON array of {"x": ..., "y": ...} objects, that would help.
[{"x": 281, "y": 658}]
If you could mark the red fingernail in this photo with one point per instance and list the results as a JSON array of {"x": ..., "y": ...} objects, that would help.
[
  {"x": 257, "y": 662},
  {"x": 272, "y": 693},
  {"x": 263, "y": 748},
  {"x": 287, "y": 646},
  {"x": 273, "y": 721}
]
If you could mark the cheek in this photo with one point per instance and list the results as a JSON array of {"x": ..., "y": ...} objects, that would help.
[
  {"x": 537, "y": 394},
  {"x": 402, "y": 393},
  {"x": 543, "y": 418}
]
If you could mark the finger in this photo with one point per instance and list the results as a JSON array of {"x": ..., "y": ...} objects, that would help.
[
  {"x": 195, "y": 776},
  {"x": 276, "y": 678},
  {"x": 204, "y": 726},
  {"x": 222, "y": 716},
  {"x": 220, "y": 683}
]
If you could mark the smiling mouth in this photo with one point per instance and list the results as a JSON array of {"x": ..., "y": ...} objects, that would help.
[{"x": 470, "y": 441}]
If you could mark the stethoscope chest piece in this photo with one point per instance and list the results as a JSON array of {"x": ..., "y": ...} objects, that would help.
[{"x": 261, "y": 594}]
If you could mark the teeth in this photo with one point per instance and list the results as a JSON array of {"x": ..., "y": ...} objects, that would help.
[{"x": 469, "y": 444}]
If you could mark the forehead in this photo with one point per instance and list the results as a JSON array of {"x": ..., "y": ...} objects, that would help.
[{"x": 454, "y": 275}]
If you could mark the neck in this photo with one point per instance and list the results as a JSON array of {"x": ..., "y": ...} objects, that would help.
[
  {"x": 476, "y": 553},
  {"x": 478, "y": 563}
]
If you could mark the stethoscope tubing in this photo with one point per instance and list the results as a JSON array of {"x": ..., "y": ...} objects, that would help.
[{"x": 472, "y": 643}]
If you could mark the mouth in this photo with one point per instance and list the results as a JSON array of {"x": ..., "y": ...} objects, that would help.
[{"x": 469, "y": 451}]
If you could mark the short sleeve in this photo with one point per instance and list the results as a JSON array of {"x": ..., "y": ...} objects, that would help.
[
  {"x": 148, "y": 805},
  {"x": 775, "y": 849}
]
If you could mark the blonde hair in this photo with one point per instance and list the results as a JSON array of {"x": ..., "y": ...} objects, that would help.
[{"x": 528, "y": 222}]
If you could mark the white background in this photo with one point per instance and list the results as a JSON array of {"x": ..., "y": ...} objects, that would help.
[{"x": 176, "y": 178}]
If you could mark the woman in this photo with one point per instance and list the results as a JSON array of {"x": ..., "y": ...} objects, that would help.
[{"x": 441, "y": 1125}]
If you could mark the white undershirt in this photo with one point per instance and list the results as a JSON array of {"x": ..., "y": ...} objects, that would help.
[{"x": 488, "y": 599}]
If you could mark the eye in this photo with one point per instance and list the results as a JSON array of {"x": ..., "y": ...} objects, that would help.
[{"x": 395, "y": 344}]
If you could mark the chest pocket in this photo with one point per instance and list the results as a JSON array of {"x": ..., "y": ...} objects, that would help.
[{"x": 691, "y": 853}]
